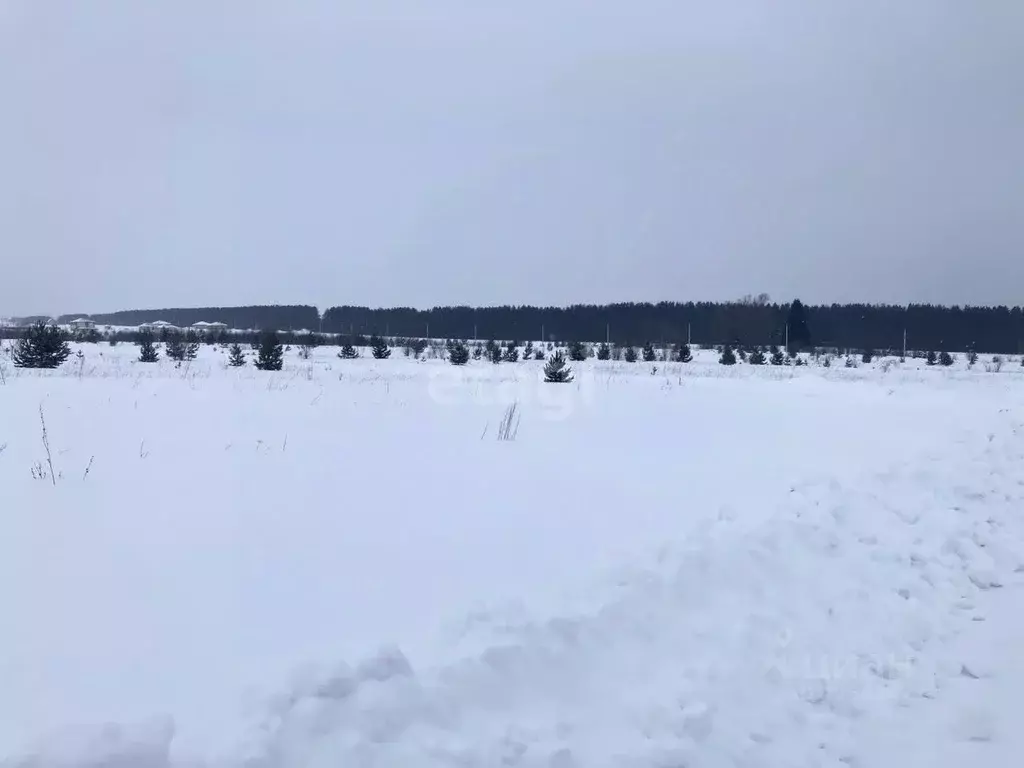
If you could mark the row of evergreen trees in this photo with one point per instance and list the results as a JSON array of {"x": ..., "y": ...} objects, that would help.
[{"x": 46, "y": 346}]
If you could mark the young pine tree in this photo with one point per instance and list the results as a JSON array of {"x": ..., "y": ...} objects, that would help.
[
  {"x": 538, "y": 354},
  {"x": 271, "y": 354},
  {"x": 478, "y": 352},
  {"x": 528, "y": 351},
  {"x": 649, "y": 353},
  {"x": 683, "y": 354},
  {"x": 174, "y": 347},
  {"x": 236, "y": 359},
  {"x": 191, "y": 345},
  {"x": 728, "y": 357},
  {"x": 630, "y": 355},
  {"x": 348, "y": 352},
  {"x": 556, "y": 371},
  {"x": 945, "y": 359},
  {"x": 147, "y": 348},
  {"x": 778, "y": 358},
  {"x": 756, "y": 357},
  {"x": 458, "y": 353},
  {"x": 41, "y": 346},
  {"x": 578, "y": 351},
  {"x": 930, "y": 358},
  {"x": 380, "y": 349},
  {"x": 867, "y": 356},
  {"x": 604, "y": 352},
  {"x": 511, "y": 353}
]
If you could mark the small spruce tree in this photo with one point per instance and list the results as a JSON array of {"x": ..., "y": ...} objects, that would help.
[
  {"x": 147, "y": 348},
  {"x": 236, "y": 359},
  {"x": 271, "y": 354},
  {"x": 478, "y": 352},
  {"x": 728, "y": 357},
  {"x": 630, "y": 355},
  {"x": 684, "y": 354},
  {"x": 930, "y": 358},
  {"x": 380, "y": 349},
  {"x": 41, "y": 346},
  {"x": 192, "y": 342},
  {"x": 556, "y": 371},
  {"x": 458, "y": 353},
  {"x": 945, "y": 359},
  {"x": 348, "y": 352},
  {"x": 972, "y": 356},
  {"x": 757, "y": 357},
  {"x": 494, "y": 353},
  {"x": 538, "y": 353},
  {"x": 174, "y": 347},
  {"x": 649, "y": 354},
  {"x": 604, "y": 352},
  {"x": 868, "y": 356},
  {"x": 578, "y": 351},
  {"x": 777, "y": 358},
  {"x": 511, "y": 353},
  {"x": 528, "y": 351}
]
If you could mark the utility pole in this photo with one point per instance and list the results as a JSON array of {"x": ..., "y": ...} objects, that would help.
[
  {"x": 787, "y": 337},
  {"x": 904, "y": 343},
  {"x": 542, "y": 336},
  {"x": 428, "y": 331},
  {"x": 607, "y": 333},
  {"x": 687, "y": 334}
]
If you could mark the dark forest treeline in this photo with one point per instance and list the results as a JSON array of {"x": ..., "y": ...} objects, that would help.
[
  {"x": 851, "y": 326},
  {"x": 747, "y": 322}
]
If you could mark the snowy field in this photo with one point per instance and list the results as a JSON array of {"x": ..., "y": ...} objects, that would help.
[{"x": 341, "y": 564}]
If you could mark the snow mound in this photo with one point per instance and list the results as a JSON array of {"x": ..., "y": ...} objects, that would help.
[{"x": 769, "y": 646}]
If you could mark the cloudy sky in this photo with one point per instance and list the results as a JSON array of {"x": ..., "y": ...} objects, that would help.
[{"x": 422, "y": 152}]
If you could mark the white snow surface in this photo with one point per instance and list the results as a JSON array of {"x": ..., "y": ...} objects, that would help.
[{"x": 340, "y": 565}]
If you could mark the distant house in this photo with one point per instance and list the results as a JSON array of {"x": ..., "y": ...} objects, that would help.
[
  {"x": 158, "y": 325},
  {"x": 83, "y": 324},
  {"x": 208, "y": 327}
]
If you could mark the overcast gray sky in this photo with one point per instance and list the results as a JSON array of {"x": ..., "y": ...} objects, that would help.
[{"x": 422, "y": 152}]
